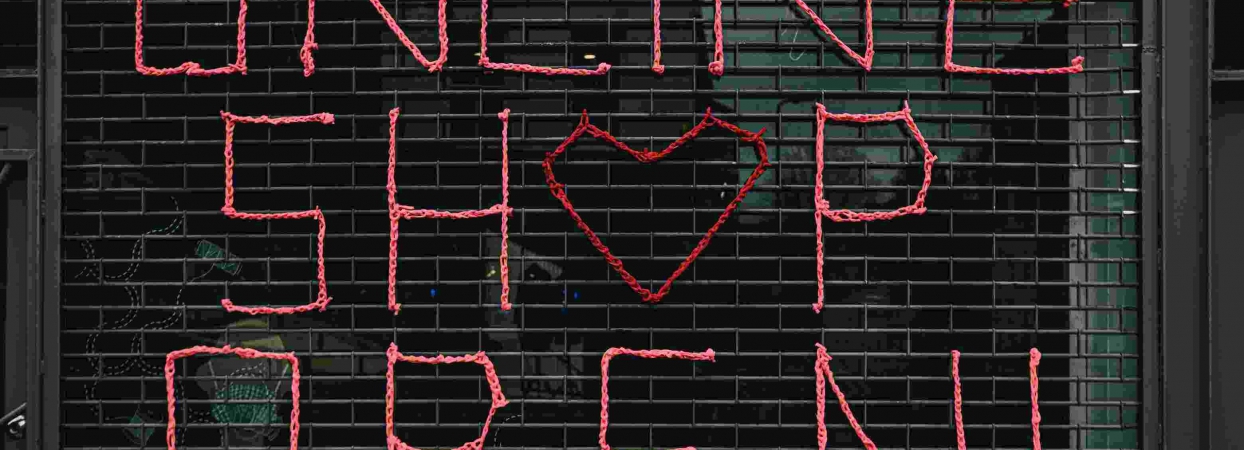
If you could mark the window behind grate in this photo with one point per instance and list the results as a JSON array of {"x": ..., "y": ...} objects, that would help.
[{"x": 1030, "y": 240}]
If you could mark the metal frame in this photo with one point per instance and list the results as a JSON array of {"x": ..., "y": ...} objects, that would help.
[
  {"x": 1223, "y": 247},
  {"x": 1181, "y": 286},
  {"x": 43, "y": 409},
  {"x": 21, "y": 193},
  {"x": 1152, "y": 391},
  {"x": 1190, "y": 248}
]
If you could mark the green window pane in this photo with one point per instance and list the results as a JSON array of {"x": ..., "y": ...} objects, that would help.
[
  {"x": 1104, "y": 415},
  {"x": 1112, "y": 344},
  {"x": 1111, "y": 439},
  {"x": 1113, "y": 391},
  {"x": 1104, "y": 367}
]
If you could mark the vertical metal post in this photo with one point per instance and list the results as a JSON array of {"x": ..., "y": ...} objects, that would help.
[
  {"x": 1178, "y": 360},
  {"x": 1151, "y": 203},
  {"x": 1226, "y": 114},
  {"x": 43, "y": 413},
  {"x": 17, "y": 193},
  {"x": 1078, "y": 250},
  {"x": 1225, "y": 409}
]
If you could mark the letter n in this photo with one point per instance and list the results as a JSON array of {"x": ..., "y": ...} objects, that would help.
[
  {"x": 441, "y": 31},
  {"x": 823, "y": 374},
  {"x": 865, "y": 61}
]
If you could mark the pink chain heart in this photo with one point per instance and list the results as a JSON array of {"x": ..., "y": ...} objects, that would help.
[{"x": 645, "y": 156}]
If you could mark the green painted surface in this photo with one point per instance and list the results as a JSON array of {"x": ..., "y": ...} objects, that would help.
[
  {"x": 141, "y": 431},
  {"x": 245, "y": 413},
  {"x": 208, "y": 250}
]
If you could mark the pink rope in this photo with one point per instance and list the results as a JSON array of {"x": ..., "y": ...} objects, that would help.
[
  {"x": 846, "y": 215},
  {"x": 398, "y": 211},
  {"x": 322, "y": 299},
  {"x": 865, "y": 61},
  {"x": 1077, "y": 64},
  {"x": 442, "y": 35},
  {"x": 490, "y": 374},
  {"x": 1034, "y": 360},
  {"x": 189, "y": 67},
  {"x": 646, "y": 156},
  {"x": 717, "y": 67},
  {"x": 1066, "y": 3},
  {"x": 170, "y": 369},
  {"x": 707, "y": 355},
  {"x": 954, "y": 373},
  {"x": 824, "y": 373},
  {"x": 656, "y": 38},
  {"x": 487, "y": 63},
  {"x": 308, "y": 42}
]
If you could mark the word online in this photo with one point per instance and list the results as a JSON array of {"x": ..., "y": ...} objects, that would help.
[{"x": 716, "y": 67}]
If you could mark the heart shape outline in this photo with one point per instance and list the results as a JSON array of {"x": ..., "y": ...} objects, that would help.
[
  {"x": 865, "y": 61},
  {"x": 646, "y": 156}
]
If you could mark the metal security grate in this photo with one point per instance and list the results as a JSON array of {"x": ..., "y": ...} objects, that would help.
[
  {"x": 18, "y": 47},
  {"x": 1031, "y": 238}
]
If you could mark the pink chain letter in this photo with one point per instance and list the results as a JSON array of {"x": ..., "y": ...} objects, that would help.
[
  {"x": 706, "y": 355},
  {"x": 846, "y": 215},
  {"x": 490, "y": 375},
  {"x": 398, "y": 211},
  {"x": 1077, "y": 64},
  {"x": 322, "y": 299},
  {"x": 170, "y": 370}
]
